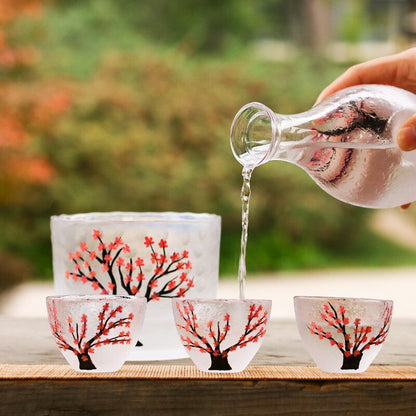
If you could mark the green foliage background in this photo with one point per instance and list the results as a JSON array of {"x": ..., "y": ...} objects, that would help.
[{"x": 148, "y": 130}]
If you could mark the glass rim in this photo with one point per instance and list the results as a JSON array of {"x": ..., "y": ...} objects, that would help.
[
  {"x": 224, "y": 300},
  {"x": 255, "y": 108},
  {"x": 136, "y": 217},
  {"x": 86, "y": 297},
  {"x": 340, "y": 299}
]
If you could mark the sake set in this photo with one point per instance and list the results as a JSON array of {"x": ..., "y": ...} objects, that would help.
[{"x": 109, "y": 268}]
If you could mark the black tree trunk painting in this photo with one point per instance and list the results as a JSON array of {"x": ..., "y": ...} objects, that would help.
[
  {"x": 85, "y": 362},
  {"x": 219, "y": 362},
  {"x": 351, "y": 362}
]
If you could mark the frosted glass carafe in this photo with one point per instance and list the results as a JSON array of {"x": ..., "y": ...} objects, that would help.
[{"x": 347, "y": 144}]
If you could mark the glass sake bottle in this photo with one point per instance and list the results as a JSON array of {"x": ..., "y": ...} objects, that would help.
[{"x": 347, "y": 144}]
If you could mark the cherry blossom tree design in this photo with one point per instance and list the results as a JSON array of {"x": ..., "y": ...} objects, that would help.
[
  {"x": 211, "y": 339},
  {"x": 82, "y": 346},
  {"x": 353, "y": 340},
  {"x": 350, "y": 118},
  {"x": 355, "y": 115},
  {"x": 169, "y": 278}
]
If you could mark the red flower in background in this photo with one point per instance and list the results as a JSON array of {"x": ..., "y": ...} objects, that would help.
[{"x": 27, "y": 111}]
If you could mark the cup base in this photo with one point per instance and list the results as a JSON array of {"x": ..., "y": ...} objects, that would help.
[
  {"x": 109, "y": 370},
  {"x": 338, "y": 371},
  {"x": 238, "y": 370}
]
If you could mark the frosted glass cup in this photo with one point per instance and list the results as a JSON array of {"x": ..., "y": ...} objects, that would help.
[
  {"x": 159, "y": 256},
  {"x": 221, "y": 335},
  {"x": 96, "y": 333},
  {"x": 342, "y": 335}
]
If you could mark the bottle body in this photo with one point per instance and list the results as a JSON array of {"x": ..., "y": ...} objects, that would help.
[{"x": 347, "y": 144}]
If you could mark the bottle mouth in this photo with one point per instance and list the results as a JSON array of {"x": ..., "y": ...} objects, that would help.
[{"x": 254, "y": 134}]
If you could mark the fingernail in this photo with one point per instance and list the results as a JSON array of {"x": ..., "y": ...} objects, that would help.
[
  {"x": 318, "y": 100},
  {"x": 406, "y": 139}
]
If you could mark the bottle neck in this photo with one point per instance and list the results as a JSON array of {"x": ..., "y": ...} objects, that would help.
[
  {"x": 259, "y": 135},
  {"x": 255, "y": 135}
]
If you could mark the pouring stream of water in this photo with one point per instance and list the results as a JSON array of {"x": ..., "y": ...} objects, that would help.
[{"x": 245, "y": 205}]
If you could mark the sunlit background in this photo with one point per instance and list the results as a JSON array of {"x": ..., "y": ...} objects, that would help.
[{"x": 127, "y": 105}]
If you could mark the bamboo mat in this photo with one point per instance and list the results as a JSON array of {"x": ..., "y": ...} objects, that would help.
[{"x": 179, "y": 372}]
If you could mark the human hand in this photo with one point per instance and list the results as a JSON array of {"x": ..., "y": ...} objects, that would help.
[{"x": 398, "y": 70}]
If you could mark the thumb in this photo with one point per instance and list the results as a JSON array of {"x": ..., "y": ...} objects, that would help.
[{"x": 406, "y": 138}]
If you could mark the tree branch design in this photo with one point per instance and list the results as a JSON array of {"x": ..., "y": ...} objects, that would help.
[
  {"x": 170, "y": 273},
  {"x": 354, "y": 116},
  {"x": 343, "y": 121}
]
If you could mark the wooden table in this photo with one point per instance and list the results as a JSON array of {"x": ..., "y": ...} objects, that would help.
[{"x": 281, "y": 380}]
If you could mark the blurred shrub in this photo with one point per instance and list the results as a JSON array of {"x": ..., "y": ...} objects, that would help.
[
  {"x": 150, "y": 132},
  {"x": 15, "y": 270},
  {"x": 203, "y": 26}
]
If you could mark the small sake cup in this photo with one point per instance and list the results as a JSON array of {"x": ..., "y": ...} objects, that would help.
[
  {"x": 221, "y": 335},
  {"x": 96, "y": 333},
  {"x": 342, "y": 335}
]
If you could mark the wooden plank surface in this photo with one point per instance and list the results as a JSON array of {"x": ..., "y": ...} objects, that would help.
[
  {"x": 180, "y": 372},
  {"x": 252, "y": 394}
]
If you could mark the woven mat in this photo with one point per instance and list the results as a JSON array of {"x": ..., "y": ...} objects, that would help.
[{"x": 178, "y": 372}]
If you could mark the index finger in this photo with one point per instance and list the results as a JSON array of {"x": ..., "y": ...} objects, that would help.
[{"x": 392, "y": 70}]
